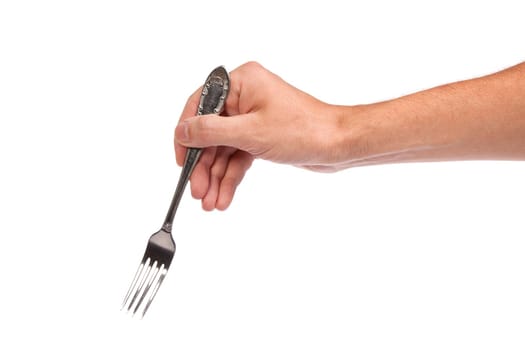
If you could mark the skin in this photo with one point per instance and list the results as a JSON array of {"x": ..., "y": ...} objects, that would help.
[{"x": 477, "y": 119}]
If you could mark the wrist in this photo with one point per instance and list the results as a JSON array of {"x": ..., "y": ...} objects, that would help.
[{"x": 355, "y": 137}]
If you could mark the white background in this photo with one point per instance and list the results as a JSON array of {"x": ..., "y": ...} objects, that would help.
[{"x": 418, "y": 256}]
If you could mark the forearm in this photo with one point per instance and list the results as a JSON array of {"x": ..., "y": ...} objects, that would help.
[{"x": 482, "y": 118}]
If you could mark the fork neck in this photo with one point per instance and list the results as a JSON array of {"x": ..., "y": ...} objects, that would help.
[
  {"x": 167, "y": 227},
  {"x": 192, "y": 157}
]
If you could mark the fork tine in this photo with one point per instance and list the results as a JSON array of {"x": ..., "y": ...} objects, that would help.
[
  {"x": 142, "y": 279},
  {"x": 133, "y": 284},
  {"x": 155, "y": 289},
  {"x": 151, "y": 278}
]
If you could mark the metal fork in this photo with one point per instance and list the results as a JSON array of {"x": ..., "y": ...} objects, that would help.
[{"x": 161, "y": 246}]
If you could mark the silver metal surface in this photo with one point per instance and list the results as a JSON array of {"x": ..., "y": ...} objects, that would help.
[{"x": 161, "y": 246}]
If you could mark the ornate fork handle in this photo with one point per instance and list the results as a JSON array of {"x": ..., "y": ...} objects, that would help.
[{"x": 213, "y": 97}]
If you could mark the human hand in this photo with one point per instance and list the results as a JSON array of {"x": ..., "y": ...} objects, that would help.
[{"x": 268, "y": 119}]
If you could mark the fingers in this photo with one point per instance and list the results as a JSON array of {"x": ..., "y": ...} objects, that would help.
[
  {"x": 216, "y": 185},
  {"x": 239, "y": 164},
  {"x": 216, "y": 174},
  {"x": 244, "y": 89},
  {"x": 199, "y": 180},
  {"x": 211, "y": 130},
  {"x": 180, "y": 153},
  {"x": 191, "y": 106}
]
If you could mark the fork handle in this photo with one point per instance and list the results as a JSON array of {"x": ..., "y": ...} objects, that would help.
[{"x": 213, "y": 97}]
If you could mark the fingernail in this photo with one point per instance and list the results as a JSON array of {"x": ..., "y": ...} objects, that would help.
[{"x": 182, "y": 132}]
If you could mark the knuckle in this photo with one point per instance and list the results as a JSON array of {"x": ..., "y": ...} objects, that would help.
[
  {"x": 221, "y": 163},
  {"x": 251, "y": 67},
  {"x": 216, "y": 172}
]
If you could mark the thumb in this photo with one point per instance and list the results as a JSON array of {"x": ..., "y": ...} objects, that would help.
[{"x": 213, "y": 130}]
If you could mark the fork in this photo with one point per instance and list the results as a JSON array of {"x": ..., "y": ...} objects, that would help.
[{"x": 161, "y": 245}]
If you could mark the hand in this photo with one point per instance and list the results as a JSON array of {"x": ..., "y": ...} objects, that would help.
[{"x": 269, "y": 119}]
